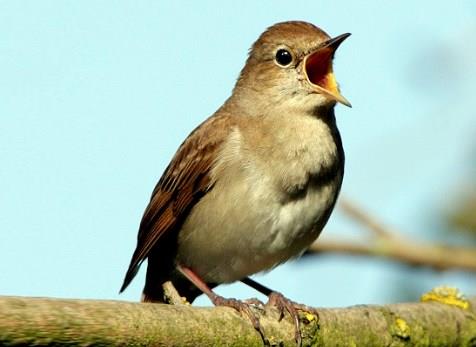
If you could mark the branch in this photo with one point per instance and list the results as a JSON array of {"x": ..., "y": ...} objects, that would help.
[
  {"x": 438, "y": 257},
  {"x": 392, "y": 245},
  {"x": 361, "y": 216},
  {"x": 47, "y": 322}
]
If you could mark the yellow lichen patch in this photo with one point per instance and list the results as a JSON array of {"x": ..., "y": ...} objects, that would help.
[
  {"x": 309, "y": 316},
  {"x": 446, "y": 295},
  {"x": 401, "y": 328}
]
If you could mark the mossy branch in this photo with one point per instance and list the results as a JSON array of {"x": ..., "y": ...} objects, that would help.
[{"x": 48, "y": 322}]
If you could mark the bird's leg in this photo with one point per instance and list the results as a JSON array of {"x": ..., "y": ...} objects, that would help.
[
  {"x": 283, "y": 304},
  {"x": 217, "y": 300},
  {"x": 257, "y": 286}
]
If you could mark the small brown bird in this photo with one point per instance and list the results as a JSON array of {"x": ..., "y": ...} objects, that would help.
[{"x": 253, "y": 185}]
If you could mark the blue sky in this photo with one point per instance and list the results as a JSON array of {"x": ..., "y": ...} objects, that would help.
[{"x": 96, "y": 96}]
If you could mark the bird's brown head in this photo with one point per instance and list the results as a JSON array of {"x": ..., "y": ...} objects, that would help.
[{"x": 290, "y": 65}]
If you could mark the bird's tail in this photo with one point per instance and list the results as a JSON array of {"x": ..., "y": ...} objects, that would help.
[
  {"x": 157, "y": 297},
  {"x": 155, "y": 279}
]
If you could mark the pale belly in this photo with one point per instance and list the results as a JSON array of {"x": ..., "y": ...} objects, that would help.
[
  {"x": 272, "y": 196},
  {"x": 243, "y": 228}
]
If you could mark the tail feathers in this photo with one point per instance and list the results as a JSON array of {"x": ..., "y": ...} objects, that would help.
[
  {"x": 130, "y": 274},
  {"x": 157, "y": 297}
]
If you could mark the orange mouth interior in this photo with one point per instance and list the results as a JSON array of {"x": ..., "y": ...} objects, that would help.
[{"x": 318, "y": 68}]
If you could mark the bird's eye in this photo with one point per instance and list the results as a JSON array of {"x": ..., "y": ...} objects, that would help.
[{"x": 283, "y": 57}]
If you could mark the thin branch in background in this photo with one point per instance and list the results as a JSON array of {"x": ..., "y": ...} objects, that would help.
[
  {"x": 463, "y": 214},
  {"x": 395, "y": 246},
  {"x": 364, "y": 218},
  {"x": 435, "y": 256}
]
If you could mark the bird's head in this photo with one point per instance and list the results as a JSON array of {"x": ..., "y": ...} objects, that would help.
[{"x": 290, "y": 65}]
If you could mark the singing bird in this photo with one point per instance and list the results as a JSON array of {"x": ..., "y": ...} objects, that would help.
[{"x": 254, "y": 184}]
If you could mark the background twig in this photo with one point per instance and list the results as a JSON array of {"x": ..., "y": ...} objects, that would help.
[{"x": 393, "y": 245}]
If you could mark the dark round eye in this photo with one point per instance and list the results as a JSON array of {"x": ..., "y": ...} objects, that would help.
[{"x": 283, "y": 57}]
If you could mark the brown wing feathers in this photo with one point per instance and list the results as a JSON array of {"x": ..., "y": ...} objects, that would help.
[{"x": 184, "y": 182}]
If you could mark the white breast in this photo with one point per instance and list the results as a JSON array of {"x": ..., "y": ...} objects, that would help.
[
  {"x": 293, "y": 229},
  {"x": 268, "y": 203}
]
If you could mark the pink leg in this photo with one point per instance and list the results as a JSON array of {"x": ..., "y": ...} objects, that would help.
[{"x": 240, "y": 306}]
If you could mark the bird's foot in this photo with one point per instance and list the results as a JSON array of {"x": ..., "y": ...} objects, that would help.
[
  {"x": 255, "y": 302},
  {"x": 240, "y": 306},
  {"x": 244, "y": 307},
  {"x": 282, "y": 304}
]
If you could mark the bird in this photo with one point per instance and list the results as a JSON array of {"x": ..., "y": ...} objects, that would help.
[{"x": 254, "y": 184}]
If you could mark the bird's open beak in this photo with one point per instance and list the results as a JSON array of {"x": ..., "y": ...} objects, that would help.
[{"x": 318, "y": 69}]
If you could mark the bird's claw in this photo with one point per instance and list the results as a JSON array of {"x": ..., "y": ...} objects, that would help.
[
  {"x": 282, "y": 304},
  {"x": 275, "y": 300},
  {"x": 255, "y": 302},
  {"x": 244, "y": 307}
]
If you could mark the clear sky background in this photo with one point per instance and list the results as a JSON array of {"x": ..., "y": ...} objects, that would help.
[{"x": 95, "y": 97}]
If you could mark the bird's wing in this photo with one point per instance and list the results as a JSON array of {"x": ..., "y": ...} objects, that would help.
[{"x": 184, "y": 182}]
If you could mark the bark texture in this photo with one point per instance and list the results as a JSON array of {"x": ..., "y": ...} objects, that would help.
[{"x": 440, "y": 321}]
